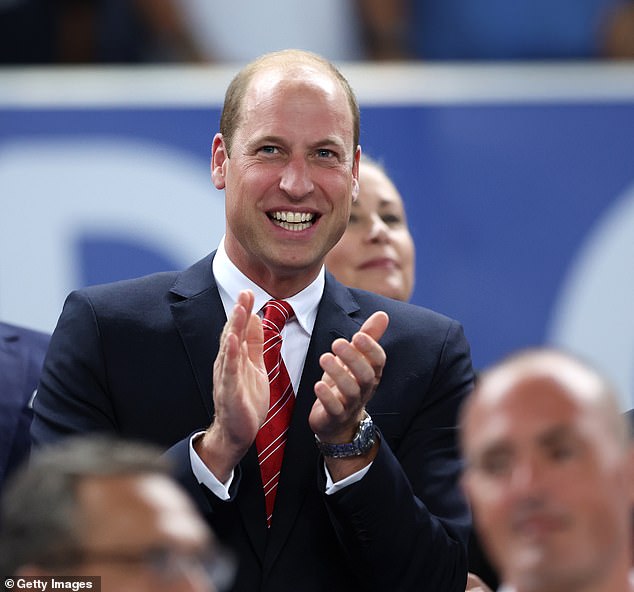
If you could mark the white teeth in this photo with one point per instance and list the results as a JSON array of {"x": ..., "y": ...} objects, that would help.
[
  {"x": 293, "y": 217},
  {"x": 294, "y": 221},
  {"x": 294, "y": 226}
]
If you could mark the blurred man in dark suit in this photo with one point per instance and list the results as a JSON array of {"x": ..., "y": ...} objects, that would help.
[{"x": 21, "y": 357}]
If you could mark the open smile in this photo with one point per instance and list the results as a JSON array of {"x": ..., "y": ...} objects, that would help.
[{"x": 293, "y": 221}]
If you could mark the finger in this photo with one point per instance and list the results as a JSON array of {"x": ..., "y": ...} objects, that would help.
[
  {"x": 232, "y": 323},
  {"x": 327, "y": 379},
  {"x": 246, "y": 298},
  {"x": 371, "y": 351},
  {"x": 241, "y": 314},
  {"x": 375, "y": 325},
  {"x": 361, "y": 367},
  {"x": 255, "y": 340},
  {"x": 339, "y": 375},
  {"x": 366, "y": 340},
  {"x": 236, "y": 323},
  {"x": 227, "y": 362},
  {"x": 235, "y": 326},
  {"x": 231, "y": 358},
  {"x": 331, "y": 403}
]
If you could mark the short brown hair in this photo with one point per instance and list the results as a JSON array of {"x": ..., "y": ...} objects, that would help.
[{"x": 231, "y": 115}]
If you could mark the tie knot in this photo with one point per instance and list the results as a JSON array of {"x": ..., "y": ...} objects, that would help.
[{"x": 277, "y": 312}]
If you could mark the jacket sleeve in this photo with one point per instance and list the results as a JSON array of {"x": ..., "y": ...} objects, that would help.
[
  {"x": 406, "y": 523},
  {"x": 72, "y": 395}
]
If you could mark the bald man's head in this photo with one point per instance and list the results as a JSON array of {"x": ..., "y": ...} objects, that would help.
[
  {"x": 548, "y": 472},
  {"x": 580, "y": 380}
]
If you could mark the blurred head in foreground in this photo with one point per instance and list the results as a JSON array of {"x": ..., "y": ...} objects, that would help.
[
  {"x": 95, "y": 506},
  {"x": 549, "y": 474}
]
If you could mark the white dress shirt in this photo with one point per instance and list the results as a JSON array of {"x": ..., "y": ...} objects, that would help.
[{"x": 296, "y": 335}]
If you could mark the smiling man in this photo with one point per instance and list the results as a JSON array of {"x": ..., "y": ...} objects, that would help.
[
  {"x": 549, "y": 474},
  {"x": 314, "y": 424}
]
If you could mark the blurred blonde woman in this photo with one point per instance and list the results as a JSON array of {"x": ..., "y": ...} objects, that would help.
[{"x": 376, "y": 252}]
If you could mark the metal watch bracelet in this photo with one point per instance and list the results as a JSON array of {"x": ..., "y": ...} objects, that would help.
[{"x": 361, "y": 443}]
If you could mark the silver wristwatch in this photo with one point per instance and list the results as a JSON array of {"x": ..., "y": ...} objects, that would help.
[{"x": 361, "y": 443}]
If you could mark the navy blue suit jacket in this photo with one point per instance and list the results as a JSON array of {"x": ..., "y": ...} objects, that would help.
[
  {"x": 22, "y": 353},
  {"x": 136, "y": 358}
]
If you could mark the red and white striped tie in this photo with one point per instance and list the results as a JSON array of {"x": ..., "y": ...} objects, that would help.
[{"x": 271, "y": 437}]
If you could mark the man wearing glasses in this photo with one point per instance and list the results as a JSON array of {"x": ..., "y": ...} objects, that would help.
[{"x": 99, "y": 507}]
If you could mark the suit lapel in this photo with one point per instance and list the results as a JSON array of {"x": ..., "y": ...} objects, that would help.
[
  {"x": 301, "y": 455},
  {"x": 199, "y": 317}
]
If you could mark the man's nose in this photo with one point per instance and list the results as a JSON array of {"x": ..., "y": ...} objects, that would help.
[
  {"x": 296, "y": 180},
  {"x": 527, "y": 477}
]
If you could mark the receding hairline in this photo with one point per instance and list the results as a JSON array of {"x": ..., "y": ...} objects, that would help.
[
  {"x": 288, "y": 60},
  {"x": 575, "y": 376},
  {"x": 285, "y": 61},
  {"x": 296, "y": 63}
]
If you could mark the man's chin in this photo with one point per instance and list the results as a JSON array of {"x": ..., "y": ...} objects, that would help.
[{"x": 535, "y": 561}]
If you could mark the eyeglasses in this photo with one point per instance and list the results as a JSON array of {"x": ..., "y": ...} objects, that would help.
[{"x": 169, "y": 564}]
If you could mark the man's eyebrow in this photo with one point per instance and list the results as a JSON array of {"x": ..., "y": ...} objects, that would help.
[
  {"x": 557, "y": 434},
  {"x": 263, "y": 140},
  {"x": 329, "y": 141},
  {"x": 488, "y": 450},
  {"x": 279, "y": 140}
]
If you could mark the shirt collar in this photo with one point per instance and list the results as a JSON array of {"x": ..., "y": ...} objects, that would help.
[{"x": 231, "y": 281}]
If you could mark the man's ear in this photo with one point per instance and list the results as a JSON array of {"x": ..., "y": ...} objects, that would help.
[
  {"x": 355, "y": 175},
  {"x": 219, "y": 161},
  {"x": 355, "y": 190},
  {"x": 630, "y": 471}
]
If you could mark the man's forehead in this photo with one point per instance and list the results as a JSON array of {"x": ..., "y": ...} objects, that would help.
[
  {"x": 543, "y": 368},
  {"x": 277, "y": 70},
  {"x": 528, "y": 394},
  {"x": 542, "y": 433},
  {"x": 268, "y": 83},
  {"x": 268, "y": 117},
  {"x": 148, "y": 503},
  {"x": 534, "y": 404}
]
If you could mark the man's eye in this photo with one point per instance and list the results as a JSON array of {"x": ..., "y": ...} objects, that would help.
[
  {"x": 269, "y": 149},
  {"x": 562, "y": 452},
  {"x": 496, "y": 465},
  {"x": 325, "y": 153}
]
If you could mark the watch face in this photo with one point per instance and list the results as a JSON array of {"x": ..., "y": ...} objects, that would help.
[{"x": 364, "y": 439}]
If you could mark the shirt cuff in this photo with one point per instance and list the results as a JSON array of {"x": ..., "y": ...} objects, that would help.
[
  {"x": 332, "y": 487},
  {"x": 204, "y": 476}
]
